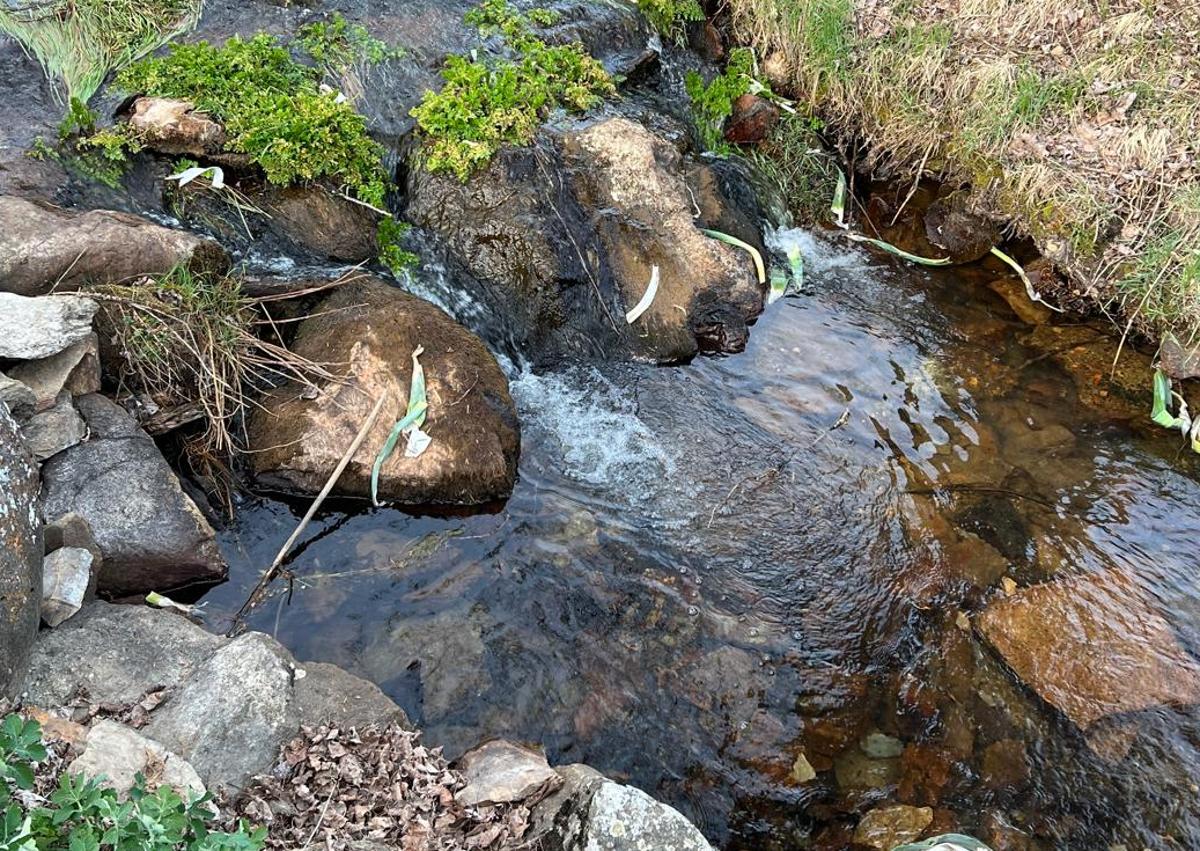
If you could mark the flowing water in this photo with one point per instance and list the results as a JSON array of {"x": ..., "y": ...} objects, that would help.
[{"x": 712, "y": 578}]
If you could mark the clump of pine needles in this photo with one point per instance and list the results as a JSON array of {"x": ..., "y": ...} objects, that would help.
[
  {"x": 81, "y": 41},
  {"x": 193, "y": 340}
]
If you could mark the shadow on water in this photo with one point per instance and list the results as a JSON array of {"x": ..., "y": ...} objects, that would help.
[{"x": 742, "y": 583}]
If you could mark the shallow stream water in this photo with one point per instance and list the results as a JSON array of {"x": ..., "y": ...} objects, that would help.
[{"x": 709, "y": 571}]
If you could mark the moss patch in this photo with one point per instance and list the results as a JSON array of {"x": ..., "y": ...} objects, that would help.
[
  {"x": 671, "y": 17},
  {"x": 489, "y": 100}
]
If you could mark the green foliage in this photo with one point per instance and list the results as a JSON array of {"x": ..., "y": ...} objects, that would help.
[
  {"x": 339, "y": 44},
  {"x": 80, "y": 41},
  {"x": 794, "y": 159},
  {"x": 491, "y": 100},
  {"x": 713, "y": 103},
  {"x": 670, "y": 17},
  {"x": 83, "y": 816},
  {"x": 391, "y": 253},
  {"x": 272, "y": 109}
]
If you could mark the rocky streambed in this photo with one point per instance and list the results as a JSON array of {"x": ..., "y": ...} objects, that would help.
[{"x": 896, "y": 555}]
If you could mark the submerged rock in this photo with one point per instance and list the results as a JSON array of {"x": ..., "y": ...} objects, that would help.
[
  {"x": 152, "y": 536},
  {"x": 961, "y": 233},
  {"x": 886, "y": 827},
  {"x": 1091, "y": 648},
  {"x": 44, "y": 247},
  {"x": 32, "y": 328},
  {"x": 20, "y": 555},
  {"x": 326, "y": 694},
  {"x": 373, "y": 329}
]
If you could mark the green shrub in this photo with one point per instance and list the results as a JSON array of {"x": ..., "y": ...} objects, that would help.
[
  {"x": 670, "y": 17},
  {"x": 80, "y": 815},
  {"x": 492, "y": 100},
  {"x": 273, "y": 111},
  {"x": 338, "y": 44},
  {"x": 391, "y": 253}
]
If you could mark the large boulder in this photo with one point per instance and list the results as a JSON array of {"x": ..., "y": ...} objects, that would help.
[
  {"x": 1091, "y": 647},
  {"x": 32, "y": 328},
  {"x": 44, "y": 247},
  {"x": 20, "y": 555},
  {"x": 374, "y": 328},
  {"x": 151, "y": 534},
  {"x": 561, "y": 241},
  {"x": 592, "y": 813},
  {"x": 232, "y": 716}
]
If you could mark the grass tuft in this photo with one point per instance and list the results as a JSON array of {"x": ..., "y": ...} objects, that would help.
[{"x": 81, "y": 41}]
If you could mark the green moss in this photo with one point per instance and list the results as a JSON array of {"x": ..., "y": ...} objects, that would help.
[
  {"x": 272, "y": 109},
  {"x": 712, "y": 103},
  {"x": 339, "y": 44},
  {"x": 392, "y": 253},
  {"x": 670, "y": 17},
  {"x": 487, "y": 100}
]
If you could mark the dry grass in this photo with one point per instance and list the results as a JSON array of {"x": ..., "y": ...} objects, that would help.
[
  {"x": 1077, "y": 120},
  {"x": 190, "y": 340}
]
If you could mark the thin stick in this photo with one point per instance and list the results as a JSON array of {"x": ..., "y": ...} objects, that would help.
[{"x": 271, "y": 572}]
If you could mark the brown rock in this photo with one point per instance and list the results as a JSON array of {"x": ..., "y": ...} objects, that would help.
[
  {"x": 44, "y": 247},
  {"x": 1005, "y": 765},
  {"x": 373, "y": 329},
  {"x": 886, "y": 827},
  {"x": 314, "y": 219},
  {"x": 500, "y": 772},
  {"x": 951, "y": 225},
  {"x": 1012, "y": 290},
  {"x": 175, "y": 127},
  {"x": 1091, "y": 648},
  {"x": 752, "y": 120},
  {"x": 1178, "y": 361},
  {"x": 924, "y": 772}
]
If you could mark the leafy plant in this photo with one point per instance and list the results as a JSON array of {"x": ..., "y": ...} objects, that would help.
[
  {"x": 490, "y": 100},
  {"x": 712, "y": 103},
  {"x": 670, "y": 17},
  {"x": 82, "y": 815},
  {"x": 338, "y": 44},
  {"x": 273, "y": 110},
  {"x": 391, "y": 253}
]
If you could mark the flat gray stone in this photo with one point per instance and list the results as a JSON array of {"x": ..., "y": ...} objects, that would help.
[
  {"x": 32, "y": 328},
  {"x": 20, "y": 399},
  {"x": 501, "y": 772},
  {"x": 66, "y": 577},
  {"x": 75, "y": 369},
  {"x": 116, "y": 754},
  {"x": 230, "y": 719},
  {"x": 152, "y": 536},
  {"x": 49, "y": 432},
  {"x": 326, "y": 694},
  {"x": 116, "y": 653},
  {"x": 20, "y": 555}
]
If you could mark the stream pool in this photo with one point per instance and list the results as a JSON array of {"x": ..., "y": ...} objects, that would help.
[{"x": 746, "y": 584}]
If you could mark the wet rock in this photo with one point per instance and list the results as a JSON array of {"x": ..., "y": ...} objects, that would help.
[
  {"x": 925, "y": 771},
  {"x": 592, "y": 813},
  {"x": 1178, "y": 361},
  {"x": 326, "y": 694},
  {"x": 17, "y": 397},
  {"x": 802, "y": 770},
  {"x": 235, "y": 712},
  {"x": 20, "y": 556},
  {"x": 1119, "y": 391},
  {"x": 49, "y": 432},
  {"x": 175, "y": 127},
  {"x": 1005, "y": 765},
  {"x": 32, "y": 328},
  {"x": 313, "y": 219},
  {"x": 1091, "y": 647},
  {"x": 752, "y": 121},
  {"x": 964, "y": 235},
  {"x": 130, "y": 650},
  {"x": 881, "y": 746},
  {"x": 76, "y": 369},
  {"x": 632, "y": 178},
  {"x": 855, "y": 770},
  {"x": 66, "y": 577},
  {"x": 42, "y": 246},
  {"x": 1012, "y": 290},
  {"x": 500, "y": 772},
  {"x": 886, "y": 827},
  {"x": 152, "y": 536},
  {"x": 374, "y": 328},
  {"x": 114, "y": 754}
]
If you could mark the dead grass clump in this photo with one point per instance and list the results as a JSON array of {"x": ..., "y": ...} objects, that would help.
[
  {"x": 192, "y": 340},
  {"x": 1076, "y": 121}
]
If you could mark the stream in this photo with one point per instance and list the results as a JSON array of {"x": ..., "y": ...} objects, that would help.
[{"x": 742, "y": 584}]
